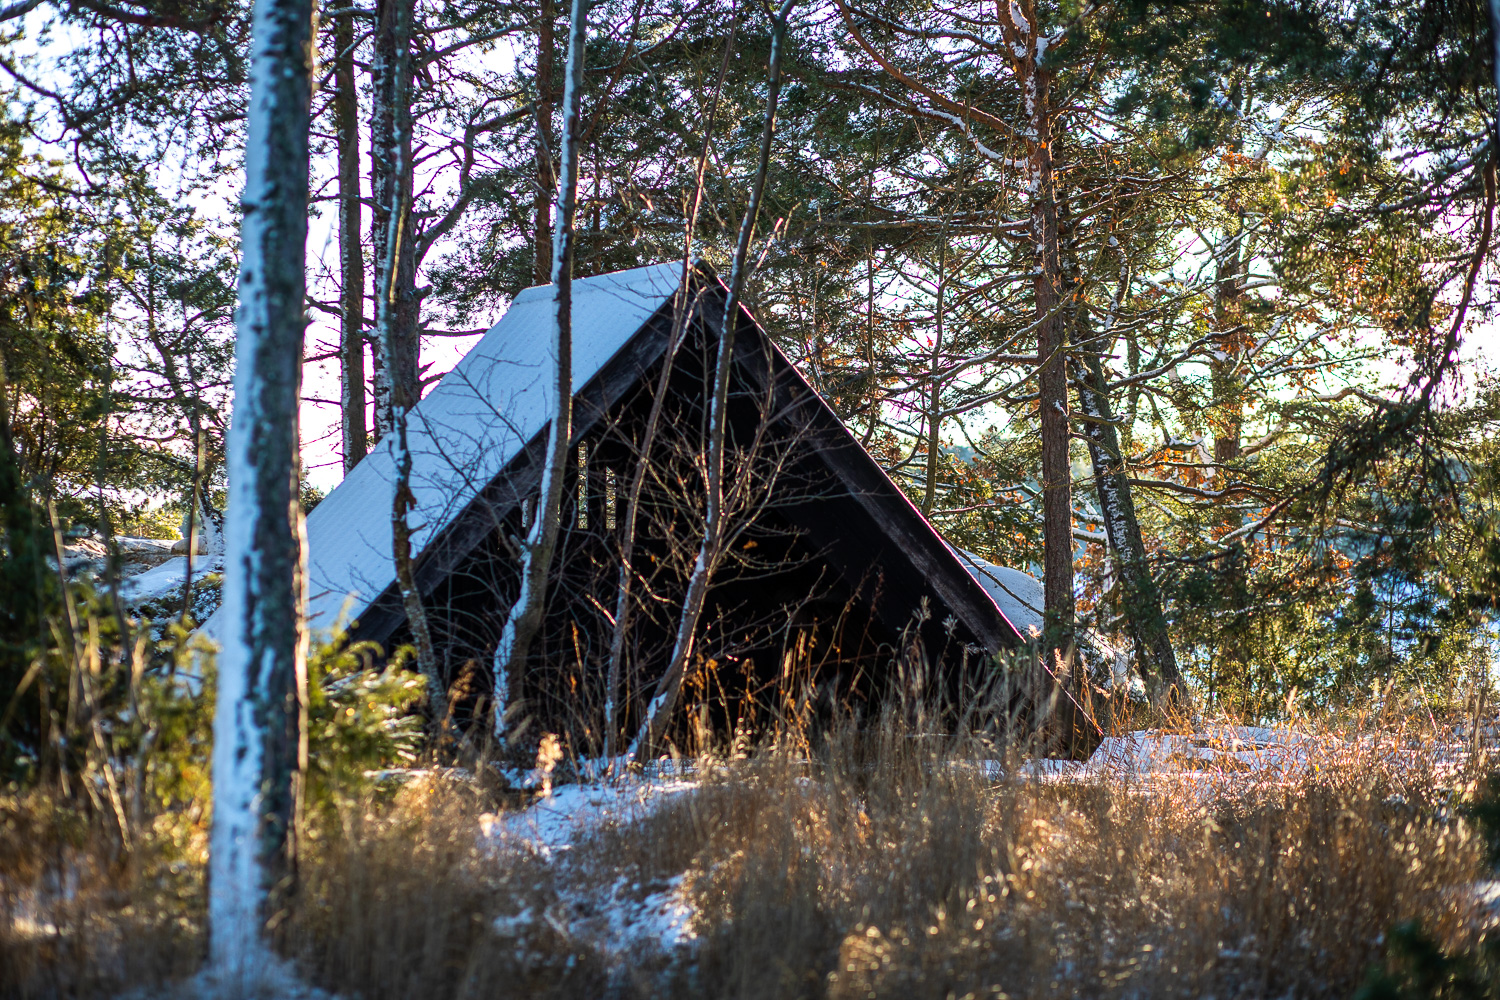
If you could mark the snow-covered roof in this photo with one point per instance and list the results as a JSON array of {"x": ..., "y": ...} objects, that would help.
[
  {"x": 466, "y": 430},
  {"x": 1018, "y": 595},
  {"x": 1021, "y": 598}
]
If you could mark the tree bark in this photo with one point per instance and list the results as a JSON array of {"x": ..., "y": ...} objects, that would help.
[
  {"x": 1144, "y": 617},
  {"x": 396, "y": 363},
  {"x": 546, "y": 176},
  {"x": 659, "y": 711},
  {"x": 1226, "y": 422},
  {"x": 935, "y": 384},
  {"x": 1057, "y": 484},
  {"x": 1230, "y": 278},
  {"x": 351, "y": 255},
  {"x": 260, "y": 742},
  {"x": 403, "y": 396},
  {"x": 526, "y": 615}
]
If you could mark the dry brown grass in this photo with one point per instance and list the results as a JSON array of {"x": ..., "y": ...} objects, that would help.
[
  {"x": 894, "y": 870},
  {"x": 401, "y": 900},
  {"x": 80, "y": 916},
  {"x": 877, "y": 865}
]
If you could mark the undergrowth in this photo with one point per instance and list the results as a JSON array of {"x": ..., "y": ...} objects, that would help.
[{"x": 875, "y": 864}]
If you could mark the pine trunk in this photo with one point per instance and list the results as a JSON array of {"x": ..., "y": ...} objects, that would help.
[
  {"x": 396, "y": 362},
  {"x": 1226, "y": 421},
  {"x": 1057, "y": 483},
  {"x": 351, "y": 254},
  {"x": 1228, "y": 408},
  {"x": 546, "y": 177},
  {"x": 935, "y": 385},
  {"x": 260, "y": 743}
]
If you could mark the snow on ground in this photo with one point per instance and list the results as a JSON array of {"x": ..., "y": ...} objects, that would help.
[
  {"x": 166, "y": 580},
  {"x": 144, "y": 546},
  {"x": 150, "y": 568},
  {"x": 622, "y": 918},
  {"x": 626, "y": 919},
  {"x": 624, "y": 923},
  {"x": 89, "y": 554},
  {"x": 1216, "y": 750},
  {"x": 273, "y": 979},
  {"x": 557, "y": 821},
  {"x": 1220, "y": 749}
]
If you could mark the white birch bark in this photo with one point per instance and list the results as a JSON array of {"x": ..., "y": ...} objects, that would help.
[
  {"x": 259, "y": 722},
  {"x": 1144, "y": 618},
  {"x": 396, "y": 365},
  {"x": 525, "y": 617},
  {"x": 664, "y": 700}
]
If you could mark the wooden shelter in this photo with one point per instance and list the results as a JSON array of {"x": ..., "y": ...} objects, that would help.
[{"x": 834, "y": 581}]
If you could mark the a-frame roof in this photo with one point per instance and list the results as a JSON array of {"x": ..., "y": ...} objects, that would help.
[
  {"x": 467, "y": 429},
  {"x": 487, "y": 418}
]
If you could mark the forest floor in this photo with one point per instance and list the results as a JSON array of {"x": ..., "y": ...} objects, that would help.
[{"x": 1228, "y": 862}]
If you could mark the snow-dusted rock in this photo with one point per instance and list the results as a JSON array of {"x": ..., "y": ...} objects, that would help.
[{"x": 166, "y": 580}]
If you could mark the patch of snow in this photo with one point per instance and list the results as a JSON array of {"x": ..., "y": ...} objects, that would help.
[
  {"x": 207, "y": 531},
  {"x": 558, "y": 821},
  {"x": 147, "y": 546},
  {"x": 88, "y": 554},
  {"x": 269, "y": 978},
  {"x": 83, "y": 551},
  {"x": 665, "y": 918},
  {"x": 515, "y": 924},
  {"x": 1053, "y": 769},
  {"x": 628, "y": 921},
  {"x": 1486, "y": 894}
]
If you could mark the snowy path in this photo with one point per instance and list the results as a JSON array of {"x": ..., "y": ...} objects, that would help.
[{"x": 627, "y": 920}]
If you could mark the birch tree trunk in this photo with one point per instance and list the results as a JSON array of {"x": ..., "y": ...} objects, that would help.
[
  {"x": 526, "y": 615},
  {"x": 710, "y": 551},
  {"x": 260, "y": 744},
  {"x": 624, "y": 604},
  {"x": 404, "y": 396},
  {"x": 351, "y": 256},
  {"x": 1144, "y": 618}
]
